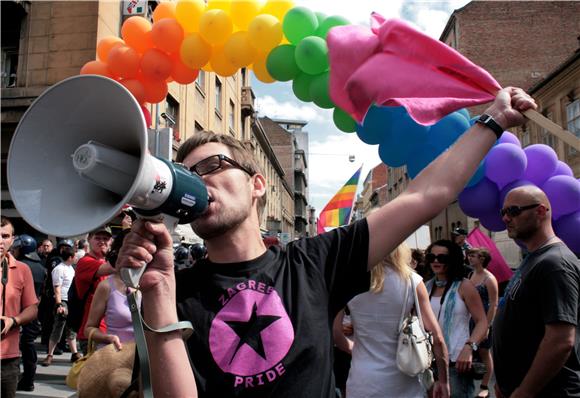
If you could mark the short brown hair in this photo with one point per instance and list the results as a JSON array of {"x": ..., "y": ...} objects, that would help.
[
  {"x": 4, "y": 221},
  {"x": 239, "y": 153},
  {"x": 483, "y": 253}
]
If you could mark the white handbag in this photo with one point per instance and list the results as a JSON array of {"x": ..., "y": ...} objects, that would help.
[{"x": 415, "y": 345}]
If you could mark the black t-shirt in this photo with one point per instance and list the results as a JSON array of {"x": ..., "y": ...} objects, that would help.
[
  {"x": 262, "y": 328},
  {"x": 547, "y": 292}
]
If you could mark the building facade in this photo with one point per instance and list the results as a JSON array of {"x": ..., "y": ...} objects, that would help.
[{"x": 44, "y": 42}]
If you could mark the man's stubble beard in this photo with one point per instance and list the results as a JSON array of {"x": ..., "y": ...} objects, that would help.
[{"x": 225, "y": 221}]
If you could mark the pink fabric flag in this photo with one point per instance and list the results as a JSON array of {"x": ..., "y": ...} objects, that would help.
[
  {"x": 393, "y": 64},
  {"x": 498, "y": 266}
]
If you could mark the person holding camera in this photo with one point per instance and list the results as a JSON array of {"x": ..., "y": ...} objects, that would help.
[{"x": 62, "y": 277}]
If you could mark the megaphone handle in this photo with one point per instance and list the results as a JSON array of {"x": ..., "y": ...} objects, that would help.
[{"x": 132, "y": 276}]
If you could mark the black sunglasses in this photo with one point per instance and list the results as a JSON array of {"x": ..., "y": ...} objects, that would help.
[
  {"x": 441, "y": 258},
  {"x": 213, "y": 163},
  {"x": 514, "y": 211}
]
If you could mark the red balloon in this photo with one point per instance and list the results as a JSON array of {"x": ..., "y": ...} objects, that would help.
[
  {"x": 96, "y": 68},
  {"x": 167, "y": 35},
  {"x": 181, "y": 73},
  {"x": 156, "y": 65},
  {"x": 136, "y": 88},
  {"x": 155, "y": 90},
  {"x": 124, "y": 62},
  {"x": 147, "y": 115}
]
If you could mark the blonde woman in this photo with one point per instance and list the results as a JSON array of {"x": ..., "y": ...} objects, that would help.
[{"x": 375, "y": 317}]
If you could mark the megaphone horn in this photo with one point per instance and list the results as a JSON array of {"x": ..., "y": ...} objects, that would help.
[{"x": 79, "y": 154}]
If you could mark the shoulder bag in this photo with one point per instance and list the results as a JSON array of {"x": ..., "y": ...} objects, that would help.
[{"x": 415, "y": 345}]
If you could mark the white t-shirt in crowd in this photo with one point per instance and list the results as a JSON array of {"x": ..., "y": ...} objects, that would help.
[{"x": 62, "y": 275}]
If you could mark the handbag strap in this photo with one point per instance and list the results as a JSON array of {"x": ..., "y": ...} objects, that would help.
[
  {"x": 403, "y": 312},
  {"x": 417, "y": 307}
]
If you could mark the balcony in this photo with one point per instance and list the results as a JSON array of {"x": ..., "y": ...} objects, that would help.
[{"x": 248, "y": 98}]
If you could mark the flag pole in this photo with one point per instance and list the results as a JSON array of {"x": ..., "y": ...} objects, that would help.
[
  {"x": 354, "y": 199},
  {"x": 553, "y": 128}
]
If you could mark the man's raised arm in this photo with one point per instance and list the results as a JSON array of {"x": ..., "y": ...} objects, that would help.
[{"x": 440, "y": 182}]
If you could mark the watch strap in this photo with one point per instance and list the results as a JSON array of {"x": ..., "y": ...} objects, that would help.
[{"x": 489, "y": 121}]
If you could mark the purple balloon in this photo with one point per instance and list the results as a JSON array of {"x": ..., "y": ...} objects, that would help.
[
  {"x": 509, "y": 138},
  {"x": 563, "y": 170},
  {"x": 505, "y": 163},
  {"x": 542, "y": 163},
  {"x": 564, "y": 195},
  {"x": 479, "y": 199},
  {"x": 505, "y": 190},
  {"x": 567, "y": 228},
  {"x": 492, "y": 221}
]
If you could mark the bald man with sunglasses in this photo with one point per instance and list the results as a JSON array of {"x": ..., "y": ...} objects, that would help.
[{"x": 535, "y": 344}]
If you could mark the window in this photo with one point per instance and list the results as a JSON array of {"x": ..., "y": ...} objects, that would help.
[
  {"x": 172, "y": 116},
  {"x": 200, "y": 81},
  {"x": 218, "y": 96},
  {"x": 547, "y": 137},
  {"x": 12, "y": 16},
  {"x": 525, "y": 136},
  {"x": 198, "y": 128},
  {"x": 573, "y": 120},
  {"x": 232, "y": 115}
]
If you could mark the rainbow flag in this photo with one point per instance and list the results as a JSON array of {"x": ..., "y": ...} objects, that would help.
[{"x": 338, "y": 210}]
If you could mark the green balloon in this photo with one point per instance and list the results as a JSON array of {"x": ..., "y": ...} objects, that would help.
[
  {"x": 301, "y": 87},
  {"x": 320, "y": 16},
  {"x": 312, "y": 55},
  {"x": 329, "y": 23},
  {"x": 281, "y": 63},
  {"x": 343, "y": 121},
  {"x": 319, "y": 91},
  {"x": 299, "y": 23}
]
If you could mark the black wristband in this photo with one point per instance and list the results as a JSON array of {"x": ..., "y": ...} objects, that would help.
[
  {"x": 489, "y": 122},
  {"x": 14, "y": 323}
]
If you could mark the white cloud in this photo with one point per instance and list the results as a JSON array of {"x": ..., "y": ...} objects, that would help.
[{"x": 273, "y": 108}]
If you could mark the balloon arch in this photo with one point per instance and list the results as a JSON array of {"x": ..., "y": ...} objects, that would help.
[{"x": 279, "y": 42}]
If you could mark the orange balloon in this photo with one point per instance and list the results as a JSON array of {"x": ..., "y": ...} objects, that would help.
[
  {"x": 106, "y": 44},
  {"x": 164, "y": 10},
  {"x": 156, "y": 65},
  {"x": 155, "y": 90},
  {"x": 220, "y": 64},
  {"x": 136, "y": 88},
  {"x": 134, "y": 32},
  {"x": 167, "y": 35},
  {"x": 181, "y": 73},
  {"x": 96, "y": 68},
  {"x": 260, "y": 70},
  {"x": 124, "y": 62}
]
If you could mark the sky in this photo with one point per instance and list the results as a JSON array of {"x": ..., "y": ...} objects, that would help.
[{"x": 330, "y": 149}]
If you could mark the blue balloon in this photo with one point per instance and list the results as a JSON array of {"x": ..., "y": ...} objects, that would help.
[
  {"x": 465, "y": 113},
  {"x": 492, "y": 221},
  {"x": 421, "y": 158},
  {"x": 478, "y": 175},
  {"x": 373, "y": 128},
  {"x": 447, "y": 130},
  {"x": 402, "y": 136}
]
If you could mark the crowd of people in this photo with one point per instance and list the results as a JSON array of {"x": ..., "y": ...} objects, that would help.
[{"x": 265, "y": 318}]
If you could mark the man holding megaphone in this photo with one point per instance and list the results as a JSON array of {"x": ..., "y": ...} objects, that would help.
[{"x": 262, "y": 317}]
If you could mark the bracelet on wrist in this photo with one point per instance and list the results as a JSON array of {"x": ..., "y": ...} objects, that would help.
[{"x": 14, "y": 323}]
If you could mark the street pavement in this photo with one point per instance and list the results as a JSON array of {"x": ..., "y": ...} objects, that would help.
[{"x": 50, "y": 380}]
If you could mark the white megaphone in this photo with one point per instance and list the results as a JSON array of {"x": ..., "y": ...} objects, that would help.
[{"x": 80, "y": 153}]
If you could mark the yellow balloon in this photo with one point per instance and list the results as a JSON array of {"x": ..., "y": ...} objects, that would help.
[
  {"x": 238, "y": 50},
  {"x": 207, "y": 68},
  {"x": 188, "y": 14},
  {"x": 195, "y": 52},
  {"x": 260, "y": 70},
  {"x": 220, "y": 63},
  {"x": 265, "y": 32},
  {"x": 243, "y": 12},
  {"x": 277, "y": 8},
  {"x": 215, "y": 26},
  {"x": 223, "y": 5}
]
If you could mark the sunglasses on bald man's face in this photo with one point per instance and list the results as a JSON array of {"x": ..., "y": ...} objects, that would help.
[{"x": 514, "y": 211}]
